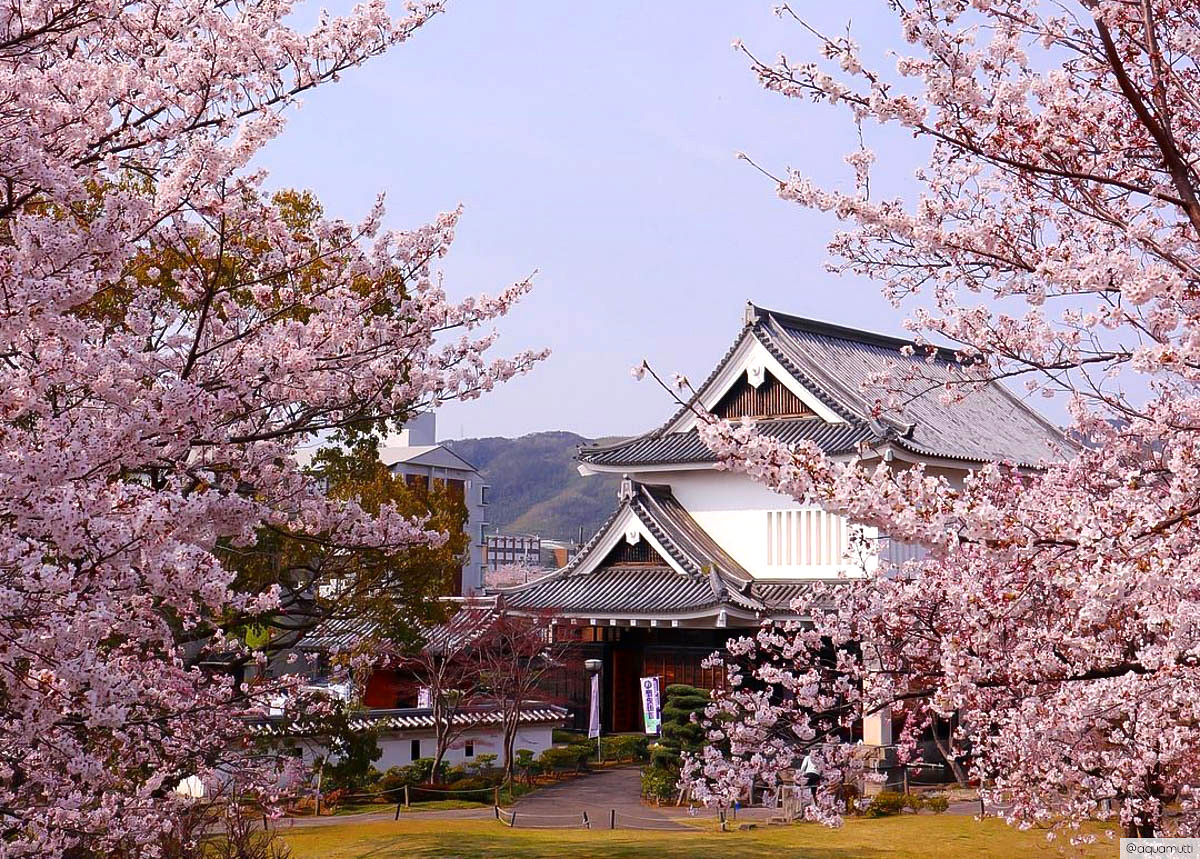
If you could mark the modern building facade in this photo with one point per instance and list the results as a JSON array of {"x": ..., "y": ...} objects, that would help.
[
  {"x": 418, "y": 457},
  {"x": 530, "y": 550},
  {"x": 693, "y": 555},
  {"x": 503, "y": 550}
]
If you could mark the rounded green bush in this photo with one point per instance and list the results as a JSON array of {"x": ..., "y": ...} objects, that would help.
[
  {"x": 659, "y": 783},
  {"x": 887, "y": 803}
]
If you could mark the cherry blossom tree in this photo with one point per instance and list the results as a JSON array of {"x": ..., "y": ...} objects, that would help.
[
  {"x": 446, "y": 667},
  {"x": 170, "y": 334},
  {"x": 513, "y": 660},
  {"x": 1053, "y": 239}
]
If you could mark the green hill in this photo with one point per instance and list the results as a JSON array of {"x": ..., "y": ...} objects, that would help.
[{"x": 535, "y": 488}]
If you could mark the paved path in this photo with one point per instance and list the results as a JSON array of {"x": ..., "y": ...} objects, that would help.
[{"x": 598, "y": 794}]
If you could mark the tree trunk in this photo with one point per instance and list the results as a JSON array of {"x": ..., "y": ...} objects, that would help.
[
  {"x": 510, "y": 740},
  {"x": 947, "y": 751},
  {"x": 440, "y": 729},
  {"x": 1146, "y": 829},
  {"x": 436, "y": 776}
]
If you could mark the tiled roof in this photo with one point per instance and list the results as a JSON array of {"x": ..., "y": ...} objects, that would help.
[
  {"x": 404, "y": 720},
  {"x": 624, "y": 590},
  {"x": 689, "y": 544},
  {"x": 986, "y": 424},
  {"x": 341, "y": 633},
  {"x": 778, "y": 596},
  {"x": 467, "y": 624},
  {"x": 711, "y": 580},
  {"x": 686, "y": 447},
  {"x": 838, "y": 366}
]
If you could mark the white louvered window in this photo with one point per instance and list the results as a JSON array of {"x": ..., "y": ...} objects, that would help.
[{"x": 805, "y": 538}]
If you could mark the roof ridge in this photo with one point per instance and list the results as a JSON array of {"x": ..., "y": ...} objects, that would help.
[
  {"x": 811, "y": 373},
  {"x": 678, "y": 413},
  {"x": 738, "y": 576},
  {"x": 839, "y": 438},
  {"x": 845, "y": 332}
]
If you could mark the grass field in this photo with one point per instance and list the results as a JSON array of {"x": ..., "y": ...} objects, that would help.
[
  {"x": 432, "y": 805},
  {"x": 905, "y": 837}
]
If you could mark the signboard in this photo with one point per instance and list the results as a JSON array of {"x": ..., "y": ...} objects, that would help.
[
  {"x": 594, "y": 715},
  {"x": 651, "y": 705},
  {"x": 425, "y": 698}
]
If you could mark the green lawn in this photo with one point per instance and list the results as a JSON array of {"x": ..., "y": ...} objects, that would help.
[
  {"x": 431, "y": 805},
  {"x": 906, "y": 837}
]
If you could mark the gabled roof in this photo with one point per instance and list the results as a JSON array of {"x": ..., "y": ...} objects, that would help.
[
  {"x": 840, "y": 367},
  {"x": 711, "y": 580},
  {"x": 987, "y": 423},
  {"x": 436, "y": 455}
]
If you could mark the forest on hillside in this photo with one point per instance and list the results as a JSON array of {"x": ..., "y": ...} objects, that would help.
[{"x": 535, "y": 487}]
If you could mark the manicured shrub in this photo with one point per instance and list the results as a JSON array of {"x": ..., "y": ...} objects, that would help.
[
  {"x": 484, "y": 763},
  {"x": 393, "y": 781},
  {"x": 421, "y": 770},
  {"x": 562, "y": 736},
  {"x": 525, "y": 764},
  {"x": 679, "y": 733},
  {"x": 454, "y": 773},
  {"x": 572, "y": 758},
  {"x": 471, "y": 788},
  {"x": 625, "y": 747},
  {"x": 659, "y": 783},
  {"x": 886, "y": 803},
  {"x": 937, "y": 804}
]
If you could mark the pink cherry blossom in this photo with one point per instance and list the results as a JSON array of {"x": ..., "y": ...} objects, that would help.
[
  {"x": 170, "y": 337},
  {"x": 1053, "y": 238}
]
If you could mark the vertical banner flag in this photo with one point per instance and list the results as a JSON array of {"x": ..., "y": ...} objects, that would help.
[
  {"x": 651, "y": 705},
  {"x": 594, "y": 716}
]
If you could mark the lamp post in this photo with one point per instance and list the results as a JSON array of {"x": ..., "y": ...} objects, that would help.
[{"x": 594, "y": 668}]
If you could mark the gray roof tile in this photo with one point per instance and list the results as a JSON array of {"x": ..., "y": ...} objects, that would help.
[
  {"x": 402, "y": 720},
  {"x": 839, "y": 366},
  {"x": 686, "y": 447},
  {"x": 713, "y": 579},
  {"x": 986, "y": 424}
]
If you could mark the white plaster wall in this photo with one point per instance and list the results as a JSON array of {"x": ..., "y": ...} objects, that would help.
[
  {"x": 536, "y": 738},
  {"x": 397, "y": 746},
  {"x": 732, "y": 508}
]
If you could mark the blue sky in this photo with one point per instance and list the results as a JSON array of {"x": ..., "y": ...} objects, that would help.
[{"x": 594, "y": 142}]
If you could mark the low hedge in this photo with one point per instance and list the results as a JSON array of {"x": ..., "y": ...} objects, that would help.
[
  {"x": 889, "y": 802},
  {"x": 625, "y": 747},
  {"x": 471, "y": 788},
  {"x": 573, "y": 758},
  {"x": 886, "y": 803}
]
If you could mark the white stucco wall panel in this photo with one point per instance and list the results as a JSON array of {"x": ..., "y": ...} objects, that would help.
[{"x": 733, "y": 509}]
